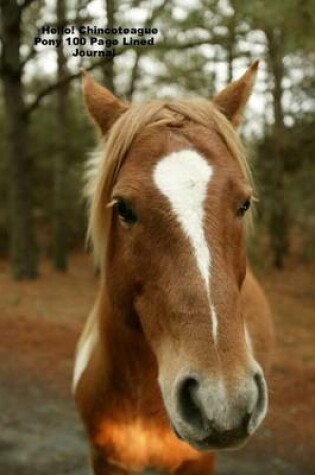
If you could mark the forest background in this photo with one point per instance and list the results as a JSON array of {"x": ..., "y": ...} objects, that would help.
[{"x": 202, "y": 45}]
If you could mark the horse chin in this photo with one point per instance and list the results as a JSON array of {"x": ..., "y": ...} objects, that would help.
[{"x": 213, "y": 442}]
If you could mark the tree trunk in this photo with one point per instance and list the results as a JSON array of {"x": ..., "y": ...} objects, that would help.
[
  {"x": 61, "y": 218},
  {"x": 278, "y": 221},
  {"x": 108, "y": 67},
  {"x": 23, "y": 255},
  {"x": 231, "y": 43},
  {"x": 134, "y": 76}
]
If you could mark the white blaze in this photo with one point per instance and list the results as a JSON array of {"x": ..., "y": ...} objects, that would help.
[
  {"x": 214, "y": 320},
  {"x": 183, "y": 177}
]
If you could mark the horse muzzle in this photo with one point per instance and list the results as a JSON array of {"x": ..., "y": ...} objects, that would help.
[{"x": 211, "y": 415}]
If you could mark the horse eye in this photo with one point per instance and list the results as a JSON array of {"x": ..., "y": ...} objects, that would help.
[
  {"x": 125, "y": 213},
  {"x": 242, "y": 209}
]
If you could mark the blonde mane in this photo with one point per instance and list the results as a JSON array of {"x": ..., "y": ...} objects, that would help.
[{"x": 102, "y": 173}]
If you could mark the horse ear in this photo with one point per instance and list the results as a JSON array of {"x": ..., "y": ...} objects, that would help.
[
  {"x": 103, "y": 106},
  {"x": 232, "y": 100}
]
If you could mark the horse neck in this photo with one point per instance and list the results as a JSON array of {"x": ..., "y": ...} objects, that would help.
[{"x": 128, "y": 356}]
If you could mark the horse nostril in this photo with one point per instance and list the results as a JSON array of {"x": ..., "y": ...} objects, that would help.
[
  {"x": 188, "y": 402},
  {"x": 260, "y": 383},
  {"x": 210, "y": 414},
  {"x": 245, "y": 421},
  {"x": 261, "y": 405}
]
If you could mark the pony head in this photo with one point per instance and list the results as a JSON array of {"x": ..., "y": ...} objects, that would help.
[{"x": 168, "y": 201}]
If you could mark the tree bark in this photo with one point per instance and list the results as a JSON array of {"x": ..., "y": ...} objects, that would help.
[
  {"x": 134, "y": 76},
  {"x": 108, "y": 65},
  {"x": 278, "y": 220},
  {"x": 23, "y": 255},
  {"x": 139, "y": 52},
  {"x": 60, "y": 216}
]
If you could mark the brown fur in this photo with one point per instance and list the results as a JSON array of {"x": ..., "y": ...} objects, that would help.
[{"x": 151, "y": 314}]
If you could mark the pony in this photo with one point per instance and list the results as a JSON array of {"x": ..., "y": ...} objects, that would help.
[{"x": 171, "y": 364}]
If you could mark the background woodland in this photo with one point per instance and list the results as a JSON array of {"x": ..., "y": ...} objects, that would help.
[{"x": 45, "y": 134}]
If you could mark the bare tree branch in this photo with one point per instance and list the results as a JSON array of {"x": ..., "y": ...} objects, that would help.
[
  {"x": 26, "y": 3},
  {"x": 155, "y": 13},
  {"x": 135, "y": 69},
  {"x": 133, "y": 76},
  {"x": 83, "y": 4},
  {"x": 28, "y": 57},
  {"x": 161, "y": 46},
  {"x": 190, "y": 44},
  {"x": 78, "y": 21},
  {"x": 54, "y": 86}
]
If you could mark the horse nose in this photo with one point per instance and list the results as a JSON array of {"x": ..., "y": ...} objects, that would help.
[
  {"x": 208, "y": 416},
  {"x": 189, "y": 402}
]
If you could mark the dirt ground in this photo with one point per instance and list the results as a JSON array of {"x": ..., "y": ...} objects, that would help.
[{"x": 40, "y": 321}]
